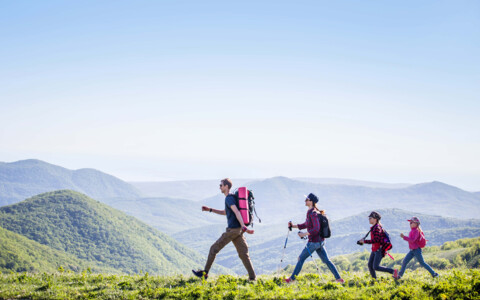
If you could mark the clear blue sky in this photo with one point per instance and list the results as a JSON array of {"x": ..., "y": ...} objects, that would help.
[{"x": 154, "y": 90}]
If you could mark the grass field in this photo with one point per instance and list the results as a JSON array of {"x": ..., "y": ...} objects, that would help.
[{"x": 418, "y": 284}]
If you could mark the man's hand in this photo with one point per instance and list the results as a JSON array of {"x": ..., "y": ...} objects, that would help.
[
  {"x": 249, "y": 231},
  {"x": 205, "y": 208},
  {"x": 401, "y": 235}
]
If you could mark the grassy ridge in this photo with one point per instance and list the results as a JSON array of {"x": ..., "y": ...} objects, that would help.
[{"x": 457, "y": 283}]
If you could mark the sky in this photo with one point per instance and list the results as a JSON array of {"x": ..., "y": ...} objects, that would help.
[{"x": 170, "y": 90}]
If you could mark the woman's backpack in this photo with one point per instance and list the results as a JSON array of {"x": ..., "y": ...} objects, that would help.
[{"x": 324, "y": 226}]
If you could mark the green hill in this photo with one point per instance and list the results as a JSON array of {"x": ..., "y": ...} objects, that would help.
[
  {"x": 19, "y": 254},
  {"x": 89, "y": 230},
  {"x": 26, "y": 178}
]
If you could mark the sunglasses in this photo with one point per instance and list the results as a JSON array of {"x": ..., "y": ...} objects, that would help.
[{"x": 221, "y": 185}]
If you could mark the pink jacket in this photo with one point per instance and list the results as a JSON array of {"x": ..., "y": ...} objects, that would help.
[{"x": 413, "y": 238}]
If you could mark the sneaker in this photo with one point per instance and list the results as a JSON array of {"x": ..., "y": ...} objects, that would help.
[
  {"x": 340, "y": 280},
  {"x": 200, "y": 273},
  {"x": 395, "y": 274},
  {"x": 435, "y": 275},
  {"x": 288, "y": 280}
]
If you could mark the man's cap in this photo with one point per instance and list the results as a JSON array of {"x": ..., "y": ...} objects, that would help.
[
  {"x": 375, "y": 215},
  {"x": 414, "y": 220},
  {"x": 312, "y": 197}
]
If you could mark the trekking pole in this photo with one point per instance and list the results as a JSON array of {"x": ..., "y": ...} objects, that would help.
[{"x": 284, "y": 247}]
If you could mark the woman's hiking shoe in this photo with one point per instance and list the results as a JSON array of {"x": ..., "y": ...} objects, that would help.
[
  {"x": 288, "y": 280},
  {"x": 340, "y": 280},
  {"x": 395, "y": 274},
  {"x": 200, "y": 273}
]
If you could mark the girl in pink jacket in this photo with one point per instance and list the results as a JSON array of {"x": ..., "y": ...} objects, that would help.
[{"x": 416, "y": 241}]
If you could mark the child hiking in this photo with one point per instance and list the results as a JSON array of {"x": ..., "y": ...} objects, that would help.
[
  {"x": 416, "y": 241},
  {"x": 233, "y": 233},
  {"x": 377, "y": 235},
  {"x": 315, "y": 242}
]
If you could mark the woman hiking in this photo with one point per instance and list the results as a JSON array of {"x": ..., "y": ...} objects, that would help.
[
  {"x": 315, "y": 242},
  {"x": 416, "y": 241},
  {"x": 376, "y": 235}
]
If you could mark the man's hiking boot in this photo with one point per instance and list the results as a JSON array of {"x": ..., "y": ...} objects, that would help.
[
  {"x": 200, "y": 273},
  {"x": 340, "y": 280},
  {"x": 288, "y": 280},
  {"x": 395, "y": 274}
]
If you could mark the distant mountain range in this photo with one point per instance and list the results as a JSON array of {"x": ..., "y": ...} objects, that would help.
[
  {"x": 197, "y": 190},
  {"x": 26, "y": 178},
  {"x": 340, "y": 181},
  {"x": 87, "y": 230},
  {"x": 278, "y": 199},
  {"x": 194, "y": 190}
]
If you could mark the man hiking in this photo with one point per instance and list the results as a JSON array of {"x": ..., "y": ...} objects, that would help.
[{"x": 233, "y": 233}]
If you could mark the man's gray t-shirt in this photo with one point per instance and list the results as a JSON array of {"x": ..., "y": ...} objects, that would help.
[{"x": 231, "y": 217}]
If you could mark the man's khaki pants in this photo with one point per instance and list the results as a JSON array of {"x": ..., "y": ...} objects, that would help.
[{"x": 234, "y": 235}]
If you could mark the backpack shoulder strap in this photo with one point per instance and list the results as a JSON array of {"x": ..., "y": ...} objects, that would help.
[{"x": 368, "y": 233}]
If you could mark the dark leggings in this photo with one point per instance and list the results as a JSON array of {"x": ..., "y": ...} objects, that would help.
[{"x": 374, "y": 264}]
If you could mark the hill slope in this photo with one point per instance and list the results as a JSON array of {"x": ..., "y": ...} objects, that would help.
[
  {"x": 20, "y": 254},
  {"x": 22, "y": 179},
  {"x": 71, "y": 222}
]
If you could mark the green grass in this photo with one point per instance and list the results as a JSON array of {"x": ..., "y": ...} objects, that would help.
[{"x": 456, "y": 283}]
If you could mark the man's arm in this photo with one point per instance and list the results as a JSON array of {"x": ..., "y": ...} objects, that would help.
[
  {"x": 240, "y": 219},
  {"x": 217, "y": 211}
]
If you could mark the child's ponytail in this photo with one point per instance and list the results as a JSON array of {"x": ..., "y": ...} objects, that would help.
[{"x": 419, "y": 228}]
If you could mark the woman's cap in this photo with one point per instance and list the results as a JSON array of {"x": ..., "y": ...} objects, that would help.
[
  {"x": 414, "y": 220},
  {"x": 375, "y": 215},
  {"x": 312, "y": 197}
]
